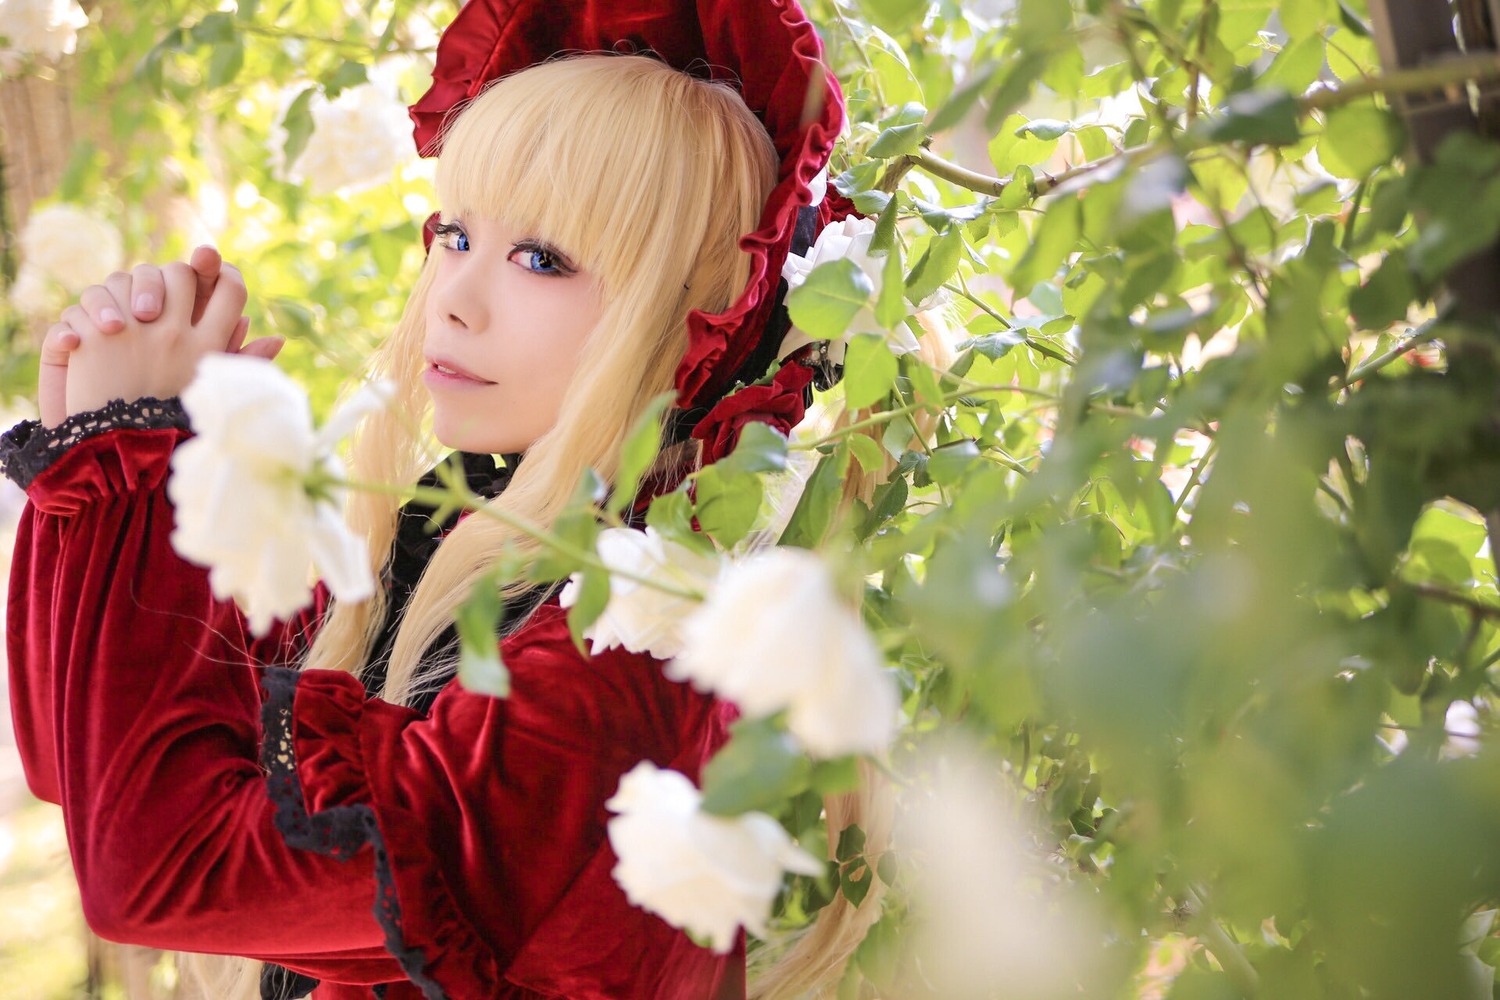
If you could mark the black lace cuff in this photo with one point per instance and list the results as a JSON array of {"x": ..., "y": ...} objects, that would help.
[
  {"x": 339, "y": 832},
  {"x": 28, "y": 449}
]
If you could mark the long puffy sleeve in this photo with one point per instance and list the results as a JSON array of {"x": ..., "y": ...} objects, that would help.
[{"x": 217, "y": 803}]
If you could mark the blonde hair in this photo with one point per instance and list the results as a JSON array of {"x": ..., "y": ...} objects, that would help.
[{"x": 647, "y": 178}]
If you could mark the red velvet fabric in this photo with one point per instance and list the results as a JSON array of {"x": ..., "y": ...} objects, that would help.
[
  {"x": 768, "y": 46},
  {"x": 136, "y": 704}
]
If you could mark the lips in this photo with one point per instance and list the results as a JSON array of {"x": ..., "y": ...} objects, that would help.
[{"x": 449, "y": 370}]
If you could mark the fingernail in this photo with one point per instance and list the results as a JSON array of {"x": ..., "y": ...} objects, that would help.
[
  {"x": 108, "y": 316},
  {"x": 145, "y": 303}
]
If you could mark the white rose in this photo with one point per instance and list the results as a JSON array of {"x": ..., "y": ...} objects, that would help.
[
  {"x": 847, "y": 239},
  {"x": 46, "y": 28},
  {"x": 640, "y": 617},
  {"x": 71, "y": 246},
  {"x": 774, "y": 635},
  {"x": 707, "y": 874},
  {"x": 359, "y": 139},
  {"x": 243, "y": 508}
]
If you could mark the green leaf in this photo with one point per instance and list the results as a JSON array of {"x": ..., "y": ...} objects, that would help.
[
  {"x": 760, "y": 448},
  {"x": 727, "y": 506},
  {"x": 894, "y": 16},
  {"x": 1054, "y": 240},
  {"x": 589, "y": 601},
  {"x": 759, "y": 768},
  {"x": 964, "y": 98},
  {"x": 855, "y": 879},
  {"x": 1386, "y": 297},
  {"x": 349, "y": 74},
  {"x": 948, "y": 464},
  {"x": 899, "y": 140},
  {"x": 866, "y": 452},
  {"x": 813, "y": 516},
  {"x": 671, "y": 514},
  {"x": 298, "y": 122},
  {"x": 641, "y": 447},
  {"x": 829, "y": 299},
  {"x": 215, "y": 29},
  {"x": 1040, "y": 22},
  {"x": 869, "y": 370},
  {"x": 884, "y": 237},
  {"x": 1046, "y": 129},
  {"x": 478, "y": 621},
  {"x": 1357, "y": 138},
  {"x": 1257, "y": 117},
  {"x": 890, "y": 305},
  {"x": 936, "y": 265},
  {"x": 225, "y": 63},
  {"x": 851, "y": 843}
]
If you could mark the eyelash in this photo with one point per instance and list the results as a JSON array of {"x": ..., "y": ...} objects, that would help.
[{"x": 443, "y": 231}]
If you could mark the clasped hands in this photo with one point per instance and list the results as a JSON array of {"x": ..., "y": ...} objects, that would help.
[{"x": 142, "y": 334}]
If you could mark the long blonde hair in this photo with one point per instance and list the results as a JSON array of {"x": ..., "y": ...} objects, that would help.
[{"x": 647, "y": 177}]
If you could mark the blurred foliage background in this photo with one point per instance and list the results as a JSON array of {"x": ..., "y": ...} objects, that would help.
[{"x": 1194, "y": 600}]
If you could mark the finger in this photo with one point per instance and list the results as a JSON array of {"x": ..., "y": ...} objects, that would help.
[
  {"x": 225, "y": 305},
  {"x": 237, "y": 339},
  {"x": 99, "y": 302},
  {"x": 148, "y": 290},
  {"x": 80, "y": 322},
  {"x": 206, "y": 263},
  {"x": 265, "y": 347},
  {"x": 60, "y": 342},
  {"x": 52, "y": 374},
  {"x": 181, "y": 283}
]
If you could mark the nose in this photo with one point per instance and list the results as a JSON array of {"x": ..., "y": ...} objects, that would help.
[{"x": 457, "y": 298}]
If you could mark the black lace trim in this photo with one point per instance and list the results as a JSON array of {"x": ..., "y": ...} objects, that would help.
[
  {"x": 28, "y": 449},
  {"x": 338, "y": 832}
]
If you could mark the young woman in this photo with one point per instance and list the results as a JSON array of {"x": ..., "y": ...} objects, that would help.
[{"x": 589, "y": 257}]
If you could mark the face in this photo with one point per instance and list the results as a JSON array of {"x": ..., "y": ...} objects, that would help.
[{"x": 507, "y": 316}]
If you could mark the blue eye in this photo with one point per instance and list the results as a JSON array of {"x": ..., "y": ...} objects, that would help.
[
  {"x": 540, "y": 259},
  {"x": 450, "y": 236}
]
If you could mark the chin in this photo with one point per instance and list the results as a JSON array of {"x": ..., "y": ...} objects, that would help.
[{"x": 474, "y": 437}]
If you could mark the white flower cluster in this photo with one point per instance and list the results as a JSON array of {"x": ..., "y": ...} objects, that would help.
[
  {"x": 359, "y": 139},
  {"x": 44, "y": 28},
  {"x": 63, "y": 247},
  {"x": 849, "y": 238},
  {"x": 240, "y": 488},
  {"x": 709, "y": 874},
  {"x": 772, "y": 636}
]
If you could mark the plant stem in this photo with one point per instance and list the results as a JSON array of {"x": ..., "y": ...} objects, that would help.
[
  {"x": 1426, "y": 333},
  {"x": 439, "y": 497},
  {"x": 1224, "y": 948}
]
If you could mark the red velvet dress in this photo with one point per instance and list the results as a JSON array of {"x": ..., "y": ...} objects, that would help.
[{"x": 215, "y": 802}]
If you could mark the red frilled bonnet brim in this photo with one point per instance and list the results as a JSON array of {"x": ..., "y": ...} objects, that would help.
[{"x": 768, "y": 47}]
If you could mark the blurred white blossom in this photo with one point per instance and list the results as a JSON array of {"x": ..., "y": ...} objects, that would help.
[
  {"x": 44, "y": 28},
  {"x": 774, "y": 635},
  {"x": 1461, "y": 723},
  {"x": 240, "y": 486},
  {"x": 849, "y": 238},
  {"x": 707, "y": 874},
  {"x": 640, "y": 617},
  {"x": 33, "y": 295},
  {"x": 69, "y": 246},
  {"x": 359, "y": 140},
  {"x": 990, "y": 906}
]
